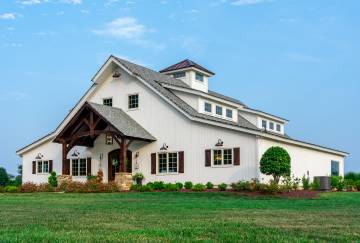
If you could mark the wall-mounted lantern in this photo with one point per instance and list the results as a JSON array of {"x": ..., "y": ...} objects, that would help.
[
  {"x": 219, "y": 143},
  {"x": 164, "y": 147},
  {"x": 75, "y": 153},
  {"x": 109, "y": 140},
  {"x": 116, "y": 74},
  {"x": 39, "y": 156}
]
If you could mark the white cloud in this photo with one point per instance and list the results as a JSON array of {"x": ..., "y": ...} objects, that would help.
[
  {"x": 248, "y": 2},
  {"x": 30, "y": 2},
  {"x": 71, "y": 1},
  {"x": 193, "y": 11},
  {"x": 12, "y": 44},
  {"x": 7, "y": 16},
  {"x": 37, "y": 2},
  {"x": 123, "y": 28}
]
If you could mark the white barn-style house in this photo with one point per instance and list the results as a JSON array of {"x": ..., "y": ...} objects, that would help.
[{"x": 169, "y": 126}]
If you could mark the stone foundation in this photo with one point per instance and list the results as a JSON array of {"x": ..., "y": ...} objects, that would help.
[{"x": 123, "y": 180}]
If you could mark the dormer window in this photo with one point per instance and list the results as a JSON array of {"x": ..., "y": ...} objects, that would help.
[
  {"x": 199, "y": 77},
  {"x": 219, "y": 110},
  {"x": 278, "y": 127},
  {"x": 229, "y": 113},
  {"x": 179, "y": 75},
  {"x": 107, "y": 102},
  {"x": 263, "y": 124},
  {"x": 271, "y": 126},
  {"x": 208, "y": 107}
]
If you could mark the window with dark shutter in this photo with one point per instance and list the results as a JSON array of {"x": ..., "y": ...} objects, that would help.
[
  {"x": 153, "y": 163},
  {"x": 236, "y": 156},
  {"x": 181, "y": 162},
  {"x": 88, "y": 160},
  {"x": 208, "y": 158},
  {"x": 50, "y": 166}
]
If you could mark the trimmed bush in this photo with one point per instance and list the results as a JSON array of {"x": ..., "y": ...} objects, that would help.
[
  {"x": 150, "y": 184},
  {"x": 138, "y": 178},
  {"x": 273, "y": 187},
  {"x": 188, "y": 185},
  {"x": 11, "y": 189},
  {"x": 222, "y": 186},
  {"x": 209, "y": 185},
  {"x": 145, "y": 188},
  {"x": 135, "y": 187},
  {"x": 241, "y": 186},
  {"x": 28, "y": 187},
  {"x": 316, "y": 184},
  {"x": 199, "y": 187},
  {"x": 158, "y": 185},
  {"x": 53, "y": 179},
  {"x": 349, "y": 184},
  {"x": 275, "y": 162},
  {"x": 90, "y": 178},
  {"x": 305, "y": 182},
  {"x": 171, "y": 187},
  {"x": 180, "y": 185}
]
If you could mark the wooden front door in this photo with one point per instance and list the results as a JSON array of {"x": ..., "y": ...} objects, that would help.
[{"x": 113, "y": 167}]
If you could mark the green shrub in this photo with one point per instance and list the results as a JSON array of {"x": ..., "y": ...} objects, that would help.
[
  {"x": 28, "y": 187},
  {"x": 11, "y": 189},
  {"x": 316, "y": 184},
  {"x": 180, "y": 185},
  {"x": 275, "y": 162},
  {"x": 2, "y": 189},
  {"x": 222, "y": 186},
  {"x": 171, "y": 187},
  {"x": 352, "y": 176},
  {"x": 53, "y": 179},
  {"x": 89, "y": 178},
  {"x": 357, "y": 185},
  {"x": 150, "y": 184},
  {"x": 241, "y": 186},
  {"x": 305, "y": 182},
  {"x": 145, "y": 188},
  {"x": 273, "y": 187},
  {"x": 335, "y": 181},
  {"x": 209, "y": 185},
  {"x": 199, "y": 187},
  {"x": 341, "y": 185},
  {"x": 188, "y": 185},
  {"x": 349, "y": 184},
  {"x": 158, "y": 185},
  {"x": 135, "y": 187}
]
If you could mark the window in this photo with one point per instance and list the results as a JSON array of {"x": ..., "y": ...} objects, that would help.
[
  {"x": 222, "y": 157},
  {"x": 208, "y": 107},
  {"x": 179, "y": 75},
  {"x": 168, "y": 162},
  {"x": 278, "y": 127},
  {"x": 229, "y": 113},
  {"x": 133, "y": 101},
  {"x": 264, "y": 124},
  {"x": 219, "y": 110},
  {"x": 271, "y": 125},
  {"x": 42, "y": 167},
  {"x": 78, "y": 167},
  {"x": 334, "y": 168},
  {"x": 107, "y": 102},
  {"x": 199, "y": 77}
]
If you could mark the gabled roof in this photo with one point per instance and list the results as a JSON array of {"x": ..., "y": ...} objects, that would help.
[
  {"x": 185, "y": 64},
  {"x": 122, "y": 122}
]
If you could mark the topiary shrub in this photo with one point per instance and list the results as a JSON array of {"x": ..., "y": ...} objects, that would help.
[
  {"x": 171, "y": 187},
  {"x": 209, "y": 185},
  {"x": 188, "y": 185},
  {"x": 11, "y": 189},
  {"x": 180, "y": 185},
  {"x": 275, "y": 162},
  {"x": 241, "y": 186},
  {"x": 199, "y": 187},
  {"x": 158, "y": 185},
  {"x": 305, "y": 182},
  {"x": 53, "y": 179},
  {"x": 222, "y": 187}
]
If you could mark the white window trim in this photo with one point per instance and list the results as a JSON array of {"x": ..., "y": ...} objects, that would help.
[
  {"x": 213, "y": 110},
  {"x": 222, "y": 111},
  {"x": 108, "y": 98},
  {"x": 222, "y": 159},
  {"x": 42, "y": 167},
  {"x": 71, "y": 167},
  {"x": 167, "y": 163},
  {"x": 132, "y": 109},
  {"x": 232, "y": 114},
  {"x": 212, "y": 105}
]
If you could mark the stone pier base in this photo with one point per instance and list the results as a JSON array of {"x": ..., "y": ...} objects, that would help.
[{"x": 123, "y": 180}]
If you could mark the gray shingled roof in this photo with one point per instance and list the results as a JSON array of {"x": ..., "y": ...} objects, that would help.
[
  {"x": 185, "y": 64},
  {"x": 221, "y": 96},
  {"x": 153, "y": 77},
  {"x": 122, "y": 122}
]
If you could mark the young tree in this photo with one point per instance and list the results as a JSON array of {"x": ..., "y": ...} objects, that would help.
[
  {"x": 4, "y": 177},
  {"x": 275, "y": 162}
]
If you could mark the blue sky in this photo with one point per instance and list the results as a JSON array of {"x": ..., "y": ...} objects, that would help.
[{"x": 294, "y": 58}]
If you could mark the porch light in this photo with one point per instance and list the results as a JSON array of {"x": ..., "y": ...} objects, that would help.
[
  {"x": 109, "y": 139},
  {"x": 219, "y": 143},
  {"x": 116, "y": 74},
  {"x": 75, "y": 154},
  {"x": 164, "y": 147},
  {"x": 39, "y": 156}
]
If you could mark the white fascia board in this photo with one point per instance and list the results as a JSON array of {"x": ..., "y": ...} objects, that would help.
[{"x": 203, "y": 95}]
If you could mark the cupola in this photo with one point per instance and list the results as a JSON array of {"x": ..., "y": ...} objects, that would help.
[{"x": 191, "y": 73}]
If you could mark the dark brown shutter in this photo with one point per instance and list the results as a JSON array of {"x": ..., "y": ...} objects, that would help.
[
  {"x": 88, "y": 160},
  {"x": 236, "y": 156},
  {"x": 34, "y": 167},
  {"x": 181, "y": 162},
  {"x": 66, "y": 167},
  {"x": 208, "y": 157},
  {"x": 50, "y": 166},
  {"x": 153, "y": 163}
]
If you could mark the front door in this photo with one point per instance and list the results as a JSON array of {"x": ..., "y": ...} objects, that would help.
[{"x": 114, "y": 163}]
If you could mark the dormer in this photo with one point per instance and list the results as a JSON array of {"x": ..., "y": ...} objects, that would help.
[{"x": 191, "y": 73}]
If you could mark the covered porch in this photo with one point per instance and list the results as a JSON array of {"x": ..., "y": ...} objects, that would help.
[{"x": 93, "y": 121}]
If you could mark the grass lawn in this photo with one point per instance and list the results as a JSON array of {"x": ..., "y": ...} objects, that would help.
[{"x": 178, "y": 217}]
